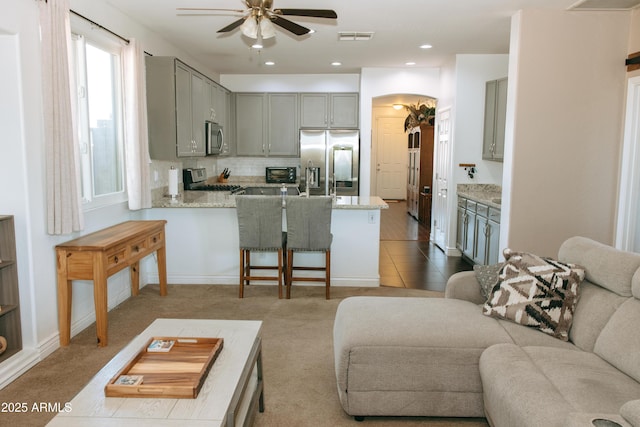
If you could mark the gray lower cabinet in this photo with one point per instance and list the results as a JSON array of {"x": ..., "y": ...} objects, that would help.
[
  {"x": 495, "y": 117},
  {"x": 478, "y": 235},
  {"x": 266, "y": 124}
]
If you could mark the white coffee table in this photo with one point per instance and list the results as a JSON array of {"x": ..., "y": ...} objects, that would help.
[{"x": 230, "y": 396}]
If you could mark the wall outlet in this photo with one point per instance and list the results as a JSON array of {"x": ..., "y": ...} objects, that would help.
[
  {"x": 155, "y": 176},
  {"x": 372, "y": 218}
]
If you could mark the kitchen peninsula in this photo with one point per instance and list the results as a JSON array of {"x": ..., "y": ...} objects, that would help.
[{"x": 202, "y": 239}]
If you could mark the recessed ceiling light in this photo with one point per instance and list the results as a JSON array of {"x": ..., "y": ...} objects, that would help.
[
  {"x": 410, "y": 63},
  {"x": 257, "y": 45},
  {"x": 398, "y": 106},
  {"x": 336, "y": 63},
  {"x": 269, "y": 63},
  {"x": 425, "y": 46}
]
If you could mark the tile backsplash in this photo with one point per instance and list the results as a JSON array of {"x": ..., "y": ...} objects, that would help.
[
  {"x": 239, "y": 166},
  {"x": 254, "y": 166}
]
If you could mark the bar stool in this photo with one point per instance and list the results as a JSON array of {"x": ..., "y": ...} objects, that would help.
[
  {"x": 309, "y": 230},
  {"x": 260, "y": 229}
]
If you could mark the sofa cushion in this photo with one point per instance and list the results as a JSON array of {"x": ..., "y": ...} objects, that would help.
[
  {"x": 540, "y": 386},
  {"x": 418, "y": 353},
  {"x": 605, "y": 266},
  {"x": 619, "y": 341},
  {"x": 537, "y": 292},
  {"x": 631, "y": 412},
  {"x": 487, "y": 276}
]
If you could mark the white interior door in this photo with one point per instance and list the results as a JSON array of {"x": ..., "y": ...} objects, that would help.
[
  {"x": 441, "y": 179},
  {"x": 391, "y": 156}
]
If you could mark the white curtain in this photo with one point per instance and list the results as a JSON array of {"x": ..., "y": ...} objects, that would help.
[
  {"x": 136, "y": 133},
  {"x": 64, "y": 206}
]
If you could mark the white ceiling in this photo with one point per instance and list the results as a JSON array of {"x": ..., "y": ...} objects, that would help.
[{"x": 400, "y": 27}]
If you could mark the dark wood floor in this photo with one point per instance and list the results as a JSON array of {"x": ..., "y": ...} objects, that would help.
[{"x": 407, "y": 258}]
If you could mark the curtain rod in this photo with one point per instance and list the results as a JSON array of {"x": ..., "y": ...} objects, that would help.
[{"x": 127, "y": 41}]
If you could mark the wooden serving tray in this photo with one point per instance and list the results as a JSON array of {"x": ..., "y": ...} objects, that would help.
[{"x": 178, "y": 373}]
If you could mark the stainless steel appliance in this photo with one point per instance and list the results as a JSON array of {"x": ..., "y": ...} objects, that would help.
[
  {"x": 214, "y": 137},
  {"x": 280, "y": 175},
  {"x": 195, "y": 179},
  {"x": 330, "y": 161}
]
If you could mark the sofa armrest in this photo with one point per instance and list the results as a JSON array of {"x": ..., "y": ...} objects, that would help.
[
  {"x": 630, "y": 411},
  {"x": 463, "y": 285},
  {"x": 583, "y": 419}
]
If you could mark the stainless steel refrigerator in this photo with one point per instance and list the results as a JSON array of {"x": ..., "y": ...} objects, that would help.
[{"x": 329, "y": 161}]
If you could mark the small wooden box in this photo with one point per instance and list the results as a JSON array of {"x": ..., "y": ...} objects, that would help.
[{"x": 177, "y": 373}]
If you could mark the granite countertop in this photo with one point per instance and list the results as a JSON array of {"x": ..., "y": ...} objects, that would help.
[
  {"x": 224, "y": 199},
  {"x": 488, "y": 194}
]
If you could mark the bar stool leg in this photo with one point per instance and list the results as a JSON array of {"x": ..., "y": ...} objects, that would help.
[
  {"x": 289, "y": 272},
  {"x": 327, "y": 270},
  {"x": 280, "y": 267},
  {"x": 241, "y": 294}
]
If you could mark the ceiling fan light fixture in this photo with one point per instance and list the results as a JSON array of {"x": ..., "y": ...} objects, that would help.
[
  {"x": 250, "y": 27},
  {"x": 267, "y": 29}
]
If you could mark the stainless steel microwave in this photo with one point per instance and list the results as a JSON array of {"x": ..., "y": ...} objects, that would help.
[
  {"x": 214, "y": 138},
  {"x": 280, "y": 174}
]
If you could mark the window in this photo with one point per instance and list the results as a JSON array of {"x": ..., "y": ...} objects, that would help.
[{"x": 97, "y": 73}]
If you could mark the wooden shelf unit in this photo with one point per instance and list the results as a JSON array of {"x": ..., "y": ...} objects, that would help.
[{"x": 10, "y": 325}]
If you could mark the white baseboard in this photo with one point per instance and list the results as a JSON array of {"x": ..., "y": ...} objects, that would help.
[
  {"x": 232, "y": 280},
  {"x": 17, "y": 365}
]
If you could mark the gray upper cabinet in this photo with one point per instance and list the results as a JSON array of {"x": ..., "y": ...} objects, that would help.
[
  {"x": 266, "y": 124},
  {"x": 282, "y": 124},
  {"x": 219, "y": 108},
  {"x": 178, "y": 103},
  {"x": 495, "y": 113},
  {"x": 329, "y": 110},
  {"x": 250, "y": 124}
]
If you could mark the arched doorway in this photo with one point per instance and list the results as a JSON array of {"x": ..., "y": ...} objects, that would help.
[{"x": 390, "y": 148}]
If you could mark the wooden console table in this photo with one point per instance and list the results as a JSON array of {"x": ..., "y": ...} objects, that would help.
[{"x": 99, "y": 255}]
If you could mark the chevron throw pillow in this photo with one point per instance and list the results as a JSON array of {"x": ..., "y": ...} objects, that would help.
[{"x": 537, "y": 292}]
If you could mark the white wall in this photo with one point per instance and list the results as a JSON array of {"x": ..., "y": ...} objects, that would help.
[
  {"x": 153, "y": 43},
  {"x": 291, "y": 82},
  {"x": 562, "y": 152},
  {"x": 472, "y": 72},
  {"x": 463, "y": 91}
]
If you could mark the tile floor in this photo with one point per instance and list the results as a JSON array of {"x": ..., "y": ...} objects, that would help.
[{"x": 407, "y": 258}]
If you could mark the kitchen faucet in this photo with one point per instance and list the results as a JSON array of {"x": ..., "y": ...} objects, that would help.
[{"x": 309, "y": 177}]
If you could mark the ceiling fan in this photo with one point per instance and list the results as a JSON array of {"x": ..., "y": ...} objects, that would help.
[{"x": 258, "y": 19}]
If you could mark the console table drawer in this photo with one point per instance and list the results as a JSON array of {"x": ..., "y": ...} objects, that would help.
[{"x": 116, "y": 259}]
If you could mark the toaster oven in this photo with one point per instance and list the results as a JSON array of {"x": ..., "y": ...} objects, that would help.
[{"x": 280, "y": 175}]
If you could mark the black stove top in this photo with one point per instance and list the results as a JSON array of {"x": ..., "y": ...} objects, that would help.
[{"x": 233, "y": 188}]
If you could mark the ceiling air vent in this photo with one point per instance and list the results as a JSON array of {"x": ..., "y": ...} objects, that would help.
[
  {"x": 351, "y": 36},
  {"x": 605, "y": 5}
]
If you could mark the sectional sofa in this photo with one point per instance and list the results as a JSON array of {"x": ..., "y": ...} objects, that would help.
[{"x": 443, "y": 357}]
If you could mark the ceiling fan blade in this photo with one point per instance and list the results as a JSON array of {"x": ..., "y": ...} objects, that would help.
[
  {"x": 209, "y": 10},
  {"x": 316, "y": 13},
  {"x": 232, "y": 26},
  {"x": 296, "y": 29}
]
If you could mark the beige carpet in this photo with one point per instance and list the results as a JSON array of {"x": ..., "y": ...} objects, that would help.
[{"x": 300, "y": 387}]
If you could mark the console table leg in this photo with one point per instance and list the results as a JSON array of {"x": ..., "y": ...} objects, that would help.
[
  {"x": 64, "y": 300},
  {"x": 134, "y": 269},
  {"x": 100, "y": 300},
  {"x": 162, "y": 269}
]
